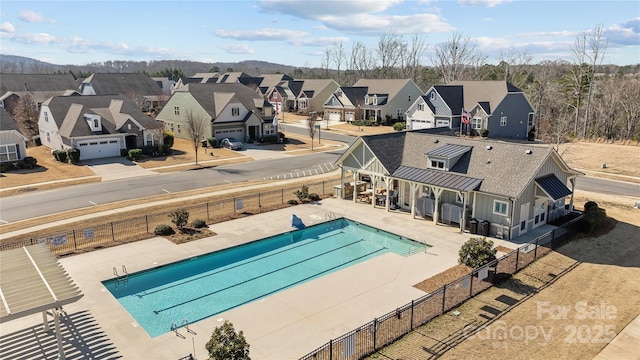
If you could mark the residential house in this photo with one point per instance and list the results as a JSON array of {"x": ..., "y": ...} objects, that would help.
[
  {"x": 232, "y": 77},
  {"x": 511, "y": 188},
  {"x": 13, "y": 145},
  {"x": 498, "y": 106},
  {"x": 39, "y": 86},
  {"x": 138, "y": 87},
  {"x": 98, "y": 125},
  {"x": 311, "y": 94},
  {"x": 387, "y": 100},
  {"x": 346, "y": 104},
  {"x": 232, "y": 110},
  {"x": 440, "y": 106},
  {"x": 270, "y": 81}
]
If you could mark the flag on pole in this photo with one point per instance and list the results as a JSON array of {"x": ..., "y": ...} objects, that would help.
[
  {"x": 275, "y": 119},
  {"x": 465, "y": 117}
]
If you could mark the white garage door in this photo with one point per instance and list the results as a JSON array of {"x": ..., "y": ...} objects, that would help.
[
  {"x": 348, "y": 116},
  {"x": 233, "y": 133},
  {"x": 102, "y": 148},
  {"x": 334, "y": 115}
]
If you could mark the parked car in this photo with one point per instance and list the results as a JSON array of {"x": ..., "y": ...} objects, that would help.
[{"x": 231, "y": 143}]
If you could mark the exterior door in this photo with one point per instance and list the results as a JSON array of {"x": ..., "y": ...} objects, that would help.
[
  {"x": 524, "y": 217},
  {"x": 540, "y": 213}
]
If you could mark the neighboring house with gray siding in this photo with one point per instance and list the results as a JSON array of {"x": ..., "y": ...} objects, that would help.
[
  {"x": 435, "y": 175},
  {"x": 140, "y": 88},
  {"x": 98, "y": 125},
  {"x": 232, "y": 110},
  {"x": 13, "y": 145},
  {"x": 387, "y": 100}
]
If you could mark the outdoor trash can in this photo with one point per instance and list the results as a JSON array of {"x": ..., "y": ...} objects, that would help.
[
  {"x": 473, "y": 226},
  {"x": 485, "y": 228}
]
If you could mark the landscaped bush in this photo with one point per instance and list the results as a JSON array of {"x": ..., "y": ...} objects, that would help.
[
  {"x": 164, "y": 229},
  {"x": 314, "y": 197},
  {"x": 124, "y": 152},
  {"x": 36, "y": 140},
  {"x": 292, "y": 202},
  {"x": 399, "y": 126},
  {"x": 593, "y": 216},
  {"x": 180, "y": 218},
  {"x": 303, "y": 193},
  {"x": 60, "y": 155},
  {"x": 168, "y": 138},
  {"x": 483, "y": 132},
  {"x": 30, "y": 162},
  {"x": 211, "y": 141},
  {"x": 4, "y": 167},
  {"x": 73, "y": 155},
  {"x": 477, "y": 251},
  {"x": 531, "y": 136},
  {"x": 135, "y": 154},
  {"x": 198, "y": 223}
]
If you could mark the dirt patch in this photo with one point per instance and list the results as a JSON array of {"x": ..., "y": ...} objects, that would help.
[
  {"x": 504, "y": 249},
  {"x": 446, "y": 277}
]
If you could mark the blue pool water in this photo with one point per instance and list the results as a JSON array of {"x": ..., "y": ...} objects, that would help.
[{"x": 200, "y": 287}]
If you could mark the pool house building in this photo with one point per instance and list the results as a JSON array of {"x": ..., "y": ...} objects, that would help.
[{"x": 486, "y": 187}]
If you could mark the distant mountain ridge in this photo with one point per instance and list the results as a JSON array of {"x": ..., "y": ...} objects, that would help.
[{"x": 21, "y": 64}]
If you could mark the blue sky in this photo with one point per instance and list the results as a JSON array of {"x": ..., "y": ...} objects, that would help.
[{"x": 295, "y": 32}]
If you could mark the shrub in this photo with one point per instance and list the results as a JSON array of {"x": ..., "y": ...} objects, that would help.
[
  {"x": 36, "y": 140},
  {"x": 211, "y": 141},
  {"x": 292, "y": 202},
  {"x": 168, "y": 138},
  {"x": 531, "y": 135},
  {"x": 124, "y": 152},
  {"x": 164, "y": 229},
  {"x": 226, "y": 343},
  {"x": 314, "y": 197},
  {"x": 135, "y": 154},
  {"x": 303, "y": 193},
  {"x": 180, "y": 217},
  {"x": 30, "y": 162},
  {"x": 198, "y": 223},
  {"x": 483, "y": 132},
  {"x": 399, "y": 126},
  {"x": 477, "y": 251},
  {"x": 73, "y": 155},
  {"x": 593, "y": 217},
  {"x": 60, "y": 155}
]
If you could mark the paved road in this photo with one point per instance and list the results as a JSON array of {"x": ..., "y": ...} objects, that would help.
[{"x": 610, "y": 187}]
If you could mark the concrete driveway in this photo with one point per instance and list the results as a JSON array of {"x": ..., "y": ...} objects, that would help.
[{"x": 114, "y": 168}]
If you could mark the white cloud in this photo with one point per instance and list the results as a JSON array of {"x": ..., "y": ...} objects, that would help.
[
  {"x": 625, "y": 34},
  {"x": 238, "y": 49},
  {"x": 7, "y": 27},
  {"x": 368, "y": 24},
  {"x": 32, "y": 17},
  {"x": 292, "y": 37},
  {"x": 318, "y": 9},
  {"x": 41, "y": 38},
  {"x": 486, "y": 3}
]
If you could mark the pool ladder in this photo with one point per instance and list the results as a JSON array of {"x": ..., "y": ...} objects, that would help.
[
  {"x": 185, "y": 324},
  {"x": 331, "y": 217},
  {"x": 124, "y": 278}
]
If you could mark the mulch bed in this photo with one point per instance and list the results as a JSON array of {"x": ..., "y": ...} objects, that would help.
[{"x": 436, "y": 282}]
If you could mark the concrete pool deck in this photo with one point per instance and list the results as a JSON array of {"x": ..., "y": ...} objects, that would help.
[{"x": 286, "y": 325}]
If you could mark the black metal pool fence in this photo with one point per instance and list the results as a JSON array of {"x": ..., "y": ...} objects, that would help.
[{"x": 384, "y": 330}]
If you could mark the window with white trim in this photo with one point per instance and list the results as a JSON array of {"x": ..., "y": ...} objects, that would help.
[
  {"x": 476, "y": 123},
  {"x": 9, "y": 152},
  {"x": 235, "y": 111},
  {"x": 366, "y": 99},
  {"x": 148, "y": 139},
  {"x": 503, "y": 121},
  {"x": 420, "y": 107},
  {"x": 48, "y": 137},
  {"x": 96, "y": 124},
  {"x": 176, "y": 110},
  {"x": 269, "y": 129},
  {"x": 303, "y": 104},
  {"x": 46, "y": 116},
  {"x": 375, "y": 99},
  {"x": 179, "y": 129},
  {"x": 437, "y": 164},
  {"x": 500, "y": 207},
  {"x": 433, "y": 96},
  {"x": 530, "y": 122}
]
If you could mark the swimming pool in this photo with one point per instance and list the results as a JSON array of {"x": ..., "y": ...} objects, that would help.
[{"x": 200, "y": 287}]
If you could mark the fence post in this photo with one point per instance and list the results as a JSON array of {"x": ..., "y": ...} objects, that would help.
[
  {"x": 259, "y": 203},
  {"x": 517, "y": 258},
  {"x": 444, "y": 297},
  {"x": 375, "y": 333},
  {"x": 281, "y": 196},
  {"x": 113, "y": 237},
  {"x": 535, "y": 250},
  {"x": 471, "y": 284},
  {"x": 75, "y": 246},
  {"x": 208, "y": 218},
  {"x": 411, "y": 304},
  {"x": 323, "y": 188},
  {"x": 146, "y": 221},
  {"x": 330, "y": 349},
  {"x": 234, "y": 205}
]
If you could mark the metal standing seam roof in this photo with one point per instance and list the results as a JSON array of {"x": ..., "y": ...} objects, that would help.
[
  {"x": 438, "y": 178},
  {"x": 32, "y": 281},
  {"x": 553, "y": 186},
  {"x": 449, "y": 151}
]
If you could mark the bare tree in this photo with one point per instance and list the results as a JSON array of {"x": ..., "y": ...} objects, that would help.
[
  {"x": 514, "y": 62},
  {"x": 452, "y": 56},
  {"x": 311, "y": 125},
  {"x": 414, "y": 52},
  {"x": 598, "y": 45},
  {"x": 196, "y": 127},
  {"x": 326, "y": 62},
  {"x": 390, "y": 48},
  {"x": 25, "y": 114},
  {"x": 362, "y": 62},
  {"x": 578, "y": 75},
  {"x": 338, "y": 56},
  {"x": 630, "y": 103}
]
